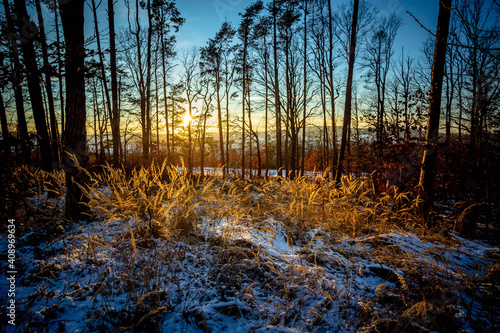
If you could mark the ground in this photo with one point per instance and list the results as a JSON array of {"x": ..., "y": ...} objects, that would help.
[{"x": 247, "y": 271}]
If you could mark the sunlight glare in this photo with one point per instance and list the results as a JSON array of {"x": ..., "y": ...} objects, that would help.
[{"x": 187, "y": 119}]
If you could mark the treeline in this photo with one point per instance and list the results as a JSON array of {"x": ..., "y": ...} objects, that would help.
[{"x": 284, "y": 79}]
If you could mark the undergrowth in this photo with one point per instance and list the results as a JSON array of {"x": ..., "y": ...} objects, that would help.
[{"x": 157, "y": 221}]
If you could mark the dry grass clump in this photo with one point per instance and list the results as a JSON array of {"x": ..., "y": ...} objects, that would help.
[
  {"x": 351, "y": 208},
  {"x": 355, "y": 209},
  {"x": 33, "y": 198},
  {"x": 161, "y": 208}
]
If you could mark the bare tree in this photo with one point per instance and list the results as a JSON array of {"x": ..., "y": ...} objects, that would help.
[
  {"x": 211, "y": 64},
  {"x": 75, "y": 148},
  {"x": 190, "y": 76},
  {"x": 17, "y": 79},
  {"x": 378, "y": 60},
  {"x": 33, "y": 76},
  {"x": 404, "y": 76},
  {"x": 47, "y": 70},
  {"x": 348, "y": 94},
  {"x": 115, "y": 119},
  {"x": 428, "y": 169}
]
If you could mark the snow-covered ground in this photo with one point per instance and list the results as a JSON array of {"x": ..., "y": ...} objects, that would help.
[{"x": 235, "y": 277}]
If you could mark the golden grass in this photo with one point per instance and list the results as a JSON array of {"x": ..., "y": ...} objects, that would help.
[{"x": 162, "y": 202}]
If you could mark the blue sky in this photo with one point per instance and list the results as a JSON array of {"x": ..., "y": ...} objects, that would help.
[{"x": 204, "y": 18}]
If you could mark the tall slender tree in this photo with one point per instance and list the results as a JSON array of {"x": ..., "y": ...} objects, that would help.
[
  {"x": 244, "y": 34},
  {"x": 75, "y": 145},
  {"x": 304, "y": 115},
  {"x": 428, "y": 169},
  {"x": 277, "y": 104},
  {"x": 33, "y": 76},
  {"x": 115, "y": 119},
  {"x": 348, "y": 94},
  {"x": 47, "y": 71},
  {"x": 3, "y": 113},
  {"x": 17, "y": 79},
  {"x": 190, "y": 76}
]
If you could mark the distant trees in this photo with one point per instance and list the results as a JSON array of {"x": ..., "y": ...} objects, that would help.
[
  {"x": 190, "y": 79},
  {"x": 212, "y": 64},
  {"x": 377, "y": 59}
]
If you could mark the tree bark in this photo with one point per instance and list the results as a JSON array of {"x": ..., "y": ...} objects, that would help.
[
  {"x": 148, "y": 85},
  {"x": 17, "y": 86},
  {"x": 279, "y": 158},
  {"x": 3, "y": 117},
  {"x": 33, "y": 75},
  {"x": 302, "y": 165},
  {"x": 348, "y": 94},
  {"x": 332, "y": 90},
  {"x": 115, "y": 119},
  {"x": 47, "y": 69},
  {"x": 75, "y": 149},
  {"x": 243, "y": 98},
  {"x": 428, "y": 169},
  {"x": 59, "y": 68}
]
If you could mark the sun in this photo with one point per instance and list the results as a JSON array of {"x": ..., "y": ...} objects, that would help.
[{"x": 187, "y": 119}]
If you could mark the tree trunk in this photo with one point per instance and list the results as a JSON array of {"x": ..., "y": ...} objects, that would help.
[
  {"x": 148, "y": 85},
  {"x": 302, "y": 165},
  {"x": 169, "y": 158},
  {"x": 266, "y": 109},
  {"x": 172, "y": 141},
  {"x": 95, "y": 130},
  {"x": 244, "y": 82},
  {"x": 157, "y": 102},
  {"x": 33, "y": 75},
  {"x": 332, "y": 92},
  {"x": 428, "y": 169},
  {"x": 115, "y": 119},
  {"x": 48, "y": 84},
  {"x": 279, "y": 158},
  {"x": 59, "y": 68},
  {"x": 348, "y": 94},
  {"x": 3, "y": 118},
  {"x": 17, "y": 86},
  {"x": 288, "y": 119},
  {"x": 101, "y": 65},
  {"x": 221, "y": 131},
  {"x": 76, "y": 152}
]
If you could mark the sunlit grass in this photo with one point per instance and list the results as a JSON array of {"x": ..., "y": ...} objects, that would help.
[{"x": 153, "y": 220}]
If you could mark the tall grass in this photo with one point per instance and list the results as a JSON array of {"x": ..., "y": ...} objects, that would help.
[
  {"x": 157, "y": 205},
  {"x": 163, "y": 201}
]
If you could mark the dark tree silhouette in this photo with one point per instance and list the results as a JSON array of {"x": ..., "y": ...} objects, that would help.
[
  {"x": 75, "y": 138},
  {"x": 17, "y": 79},
  {"x": 348, "y": 94},
  {"x": 47, "y": 71},
  {"x": 115, "y": 119},
  {"x": 33, "y": 76},
  {"x": 428, "y": 169}
]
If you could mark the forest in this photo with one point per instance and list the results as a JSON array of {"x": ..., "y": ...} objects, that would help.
[{"x": 304, "y": 169}]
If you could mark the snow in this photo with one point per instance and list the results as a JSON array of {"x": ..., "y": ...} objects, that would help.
[{"x": 232, "y": 277}]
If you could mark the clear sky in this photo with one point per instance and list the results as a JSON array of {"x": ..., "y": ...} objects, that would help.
[{"x": 204, "y": 18}]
